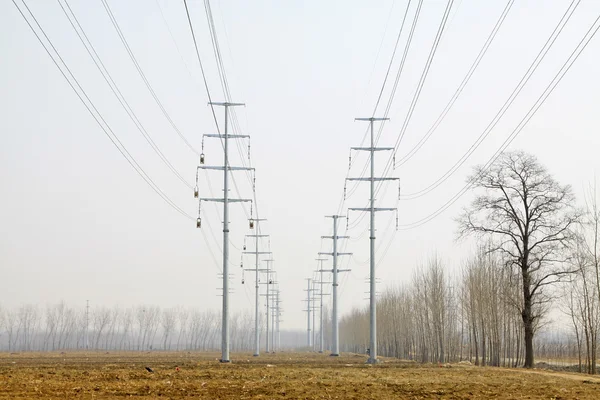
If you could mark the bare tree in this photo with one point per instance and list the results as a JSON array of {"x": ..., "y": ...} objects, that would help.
[
  {"x": 529, "y": 217},
  {"x": 591, "y": 245},
  {"x": 29, "y": 318},
  {"x": 168, "y": 321},
  {"x": 127, "y": 329},
  {"x": 582, "y": 298},
  {"x": 182, "y": 318},
  {"x": 101, "y": 318},
  {"x": 112, "y": 328},
  {"x": 50, "y": 329}
]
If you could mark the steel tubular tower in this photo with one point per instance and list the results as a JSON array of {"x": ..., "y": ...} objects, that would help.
[
  {"x": 226, "y": 168},
  {"x": 335, "y": 323},
  {"x": 278, "y": 336},
  {"x": 272, "y": 310},
  {"x": 275, "y": 318},
  {"x": 256, "y": 280},
  {"x": 372, "y": 210},
  {"x": 308, "y": 310},
  {"x": 268, "y": 348},
  {"x": 321, "y": 283},
  {"x": 314, "y": 316}
]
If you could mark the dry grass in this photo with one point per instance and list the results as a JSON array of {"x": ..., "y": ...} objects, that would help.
[{"x": 283, "y": 375}]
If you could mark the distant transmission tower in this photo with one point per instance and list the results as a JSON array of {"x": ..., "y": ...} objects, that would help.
[
  {"x": 277, "y": 345},
  {"x": 335, "y": 351},
  {"x": 321, "y": 294},
  {"x": 309, "y": 309},
  {"x": 256, "y": 285},
  {"x": 268, "y": 295}
]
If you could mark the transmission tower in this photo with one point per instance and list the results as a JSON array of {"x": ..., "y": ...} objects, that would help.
[
  {"x": 256, "y": 269},
  {"x": 335, "y": 323},
  {"x": 226, "y": 168},
  {"x": 274, "y": 318},
  {"x": 321, "y": 322},
  {"x": 268, "y": 295},
  {"x": 315, "y": 298},
  {"x": 372, "y": 210},
  {"x": 309, "y": 308},
  {"x": 278, "y": 320}
]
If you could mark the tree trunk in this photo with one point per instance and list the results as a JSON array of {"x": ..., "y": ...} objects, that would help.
[{"x": 527, "y": 313}]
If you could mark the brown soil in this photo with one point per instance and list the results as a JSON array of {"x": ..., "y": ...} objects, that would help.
[{"x": 272, "y": 376}]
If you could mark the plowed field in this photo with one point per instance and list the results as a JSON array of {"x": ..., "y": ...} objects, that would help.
[{"x": 272, "y": 376}]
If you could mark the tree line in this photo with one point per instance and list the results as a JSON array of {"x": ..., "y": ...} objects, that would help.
[
  {"x": 537, "y": 250},
  {"x": 61, "y": 327}
]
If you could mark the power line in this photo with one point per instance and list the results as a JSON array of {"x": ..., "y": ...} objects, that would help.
[
  {"x": 187, "y": 68},
  {"x": 143, "y": 76},
  {"x": 392, "y": 58},
  {"x": 109, "y": 80},
  {"x": 422, "y": 79},
  {"x": 235, "y": 124},
  {"x": 387, "y": 23},
  {"x": 516, "y": 91},
  {"x": 401, "y": 66},
  {"x": 73, "y": 82},
  {"x": 460, "y": 88},
  {"x": 389, "y": 104},
  {"x": 227, "y": 94},
  {"x": 224, "y": 82},
  {"x": 532, "y": 111},
  {"x": 424, "y": 74},
  {"x": 208, "y": 90},
  {"x": 89, "y": 47},
  {"x": 210, "y": 189},
  {"x": 396, "y": 82}
]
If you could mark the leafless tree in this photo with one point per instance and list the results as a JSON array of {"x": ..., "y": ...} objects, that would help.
[
  {"x": 66, "y": 324},
  {"x": 101, "y": 318},
  {"x": 11, "y": 323},
  {"x": 126, "y": 329},
  {"x": 168, "y": 321},
  {"x": 182, "y": 318},
  {"x": 530, "y": 218},
  {"x": 28, "y": 318},
  {"x": 582, "y": 297},
  {"x": 115, "y": 318},
  {"x": 50, "y": 328}
]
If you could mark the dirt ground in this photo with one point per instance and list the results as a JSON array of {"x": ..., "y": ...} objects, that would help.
[{"x": 271, "y": 376}]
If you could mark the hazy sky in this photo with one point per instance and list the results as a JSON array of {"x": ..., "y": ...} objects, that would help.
[{"x": 78, "y": 223}]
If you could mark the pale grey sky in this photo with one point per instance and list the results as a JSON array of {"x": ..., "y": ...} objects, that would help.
[{"x": 78, "y": 223}]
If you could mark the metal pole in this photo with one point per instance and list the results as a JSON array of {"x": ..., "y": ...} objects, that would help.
[
  {"x": 256, "y": 270},
  {"x": 321, "y": 314},
  {"x": 225, "y": 322},
  {"x": 308, "y": 313},
  {"x": 256, "y": 334},
  {"x": 373, "y": 293},
  {"x": 373, "y": 300},
  {"x": 336, "y": 335},
  {"x": 335, "y": 283},
  {"x": 267, "y": 335},
  {"x": 225, "y": 200},
  {"x": 278, "y": 332},
  {"x": 314, "y": 338},
  {"x": 273, "y": 308}
]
